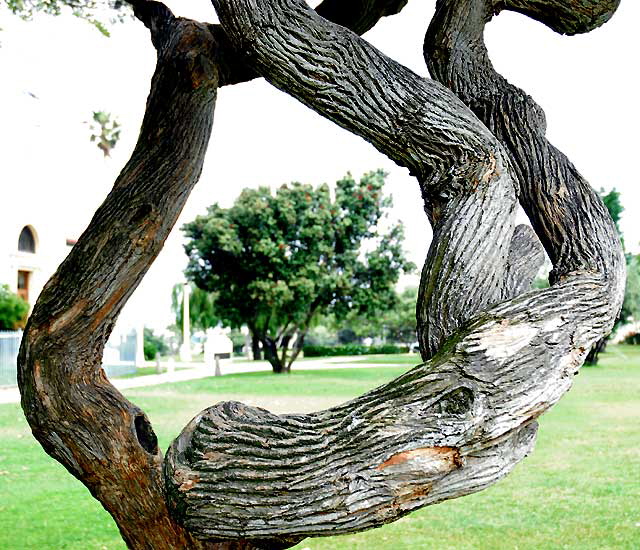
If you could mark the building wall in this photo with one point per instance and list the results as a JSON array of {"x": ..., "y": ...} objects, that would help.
[
  {"x": 51, "y": 247},
  {"x": 50, "y": 181}
]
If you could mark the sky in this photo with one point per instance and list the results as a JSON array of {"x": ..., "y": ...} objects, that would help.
[{"x": 586, "y": 84}]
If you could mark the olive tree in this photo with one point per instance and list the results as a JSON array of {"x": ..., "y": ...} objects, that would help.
[{"x": 497, "y": 355}]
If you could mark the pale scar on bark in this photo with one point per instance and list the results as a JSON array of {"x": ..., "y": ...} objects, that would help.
[{"x": 429, "y": 457}]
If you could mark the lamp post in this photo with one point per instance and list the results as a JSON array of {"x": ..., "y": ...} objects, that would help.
[{"x": 185, "y": 348}]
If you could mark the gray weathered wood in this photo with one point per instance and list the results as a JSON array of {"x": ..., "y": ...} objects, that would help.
[{"x": 461, "y": 421}]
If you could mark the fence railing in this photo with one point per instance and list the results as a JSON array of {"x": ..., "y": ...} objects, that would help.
[
  {"x": 119, "y": 359},
  {"x": 9, "y": 346}
]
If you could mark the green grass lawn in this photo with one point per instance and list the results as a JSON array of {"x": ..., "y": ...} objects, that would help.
[
  {"x": 404, "y": 359},
  {"x": 580, "y": 489}
]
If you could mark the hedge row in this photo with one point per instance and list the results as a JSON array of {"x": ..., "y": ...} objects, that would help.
[{"x": 352, "y": 349}]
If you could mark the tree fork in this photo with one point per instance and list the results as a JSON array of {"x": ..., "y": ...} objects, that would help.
[{"x": 80, "y": 419}]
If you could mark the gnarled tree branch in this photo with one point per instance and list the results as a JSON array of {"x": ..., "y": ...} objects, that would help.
[
  {"x": 566, "y": 213},
  {"x": 457, "y": 423},
  {"x": 75, "y": 413},
  {"x": 563, "y": 16},
  {"x": 447, "y": 428},
  {"x": 357, "y": 15}
]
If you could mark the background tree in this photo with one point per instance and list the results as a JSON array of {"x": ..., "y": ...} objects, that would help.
[
  {"x": 397, "y": 323},
  {"x": 614, "y": 206},
  {"x": 274, "y": 261},
  {"x": 202, "y": 314},
  {"x": 496, "y": 355},
  {"x": 13, "y": 310},
  {"x": 630, "y": 304},
  {"x": 154, "y": 345},
  {"x": 105, "y": 132},
  {"x": 93, "y": 11}
]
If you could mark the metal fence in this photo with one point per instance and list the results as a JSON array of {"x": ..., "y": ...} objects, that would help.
[
  {"x": 119, "y": 357},
  {"x": 9, "y": 346}
]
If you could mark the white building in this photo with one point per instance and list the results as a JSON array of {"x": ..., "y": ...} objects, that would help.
[
  {"x": 31, "y": 248},
  {"x": 41, "y": 214}
]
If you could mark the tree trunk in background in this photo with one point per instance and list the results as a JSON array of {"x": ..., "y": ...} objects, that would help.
[
  {"x": 270, "y": 348},
  {"x": 256, "y": 351},
  {"x": 498, "y": 354},
  {"x": 599, "y": 347}
]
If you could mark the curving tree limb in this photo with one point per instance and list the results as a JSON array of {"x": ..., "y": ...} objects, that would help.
[
  {"x": 240, "y": 477},
  {"x": 461, "y": 421},
  {"x": 565, "y": 212},
  {"x": 75, "y": 413},
  {"x": 356, "y": 15}
]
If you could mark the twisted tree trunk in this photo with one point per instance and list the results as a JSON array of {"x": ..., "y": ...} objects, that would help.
[{"x": 498, "y": 355}]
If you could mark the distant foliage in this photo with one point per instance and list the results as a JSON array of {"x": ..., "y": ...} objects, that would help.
[
  {"x": 614, "y": 206},
  {"x": 13, "y": 310},
  {"x": 275, "y": 260},
  {"x": 154, "y": 345},
  {"x": 202, "y": 313},
  {"x": 631, "y": 304},
  {"x": 353, "y": 349},
  {"x": 396, "y": 323},
  {"x": 105, "y": 132},
  {"x": 97, "y": 12}
]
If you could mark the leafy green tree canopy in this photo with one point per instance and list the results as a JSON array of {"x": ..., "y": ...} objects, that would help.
[
  {"x": 276, "y": 260},
  {"x": 13, "y": 309},
  {"x": 154, "y": 345},
  {"x": 105, "y": 132},
  {"x": 614, "y": 206}
]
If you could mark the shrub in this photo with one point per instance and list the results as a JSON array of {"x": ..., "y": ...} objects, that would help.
[
  {"x": 150, "y": 350},
  {"x": 13, "y": 310},
  {"x": 633, "y": 339}
]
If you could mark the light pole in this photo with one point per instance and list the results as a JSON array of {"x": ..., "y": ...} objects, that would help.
[{"x": 185, "y": 348}]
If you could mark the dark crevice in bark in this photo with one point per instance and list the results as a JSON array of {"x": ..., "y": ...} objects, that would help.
[{"x": 145, "y": 434}]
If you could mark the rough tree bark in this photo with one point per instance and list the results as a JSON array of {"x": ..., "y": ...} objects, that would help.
[
  {"x": 499, "y": 355},
  {"x": 564, "y": 210}
]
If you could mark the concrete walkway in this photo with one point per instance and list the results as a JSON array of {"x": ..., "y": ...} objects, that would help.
[{"x": 192, "y": 371}]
